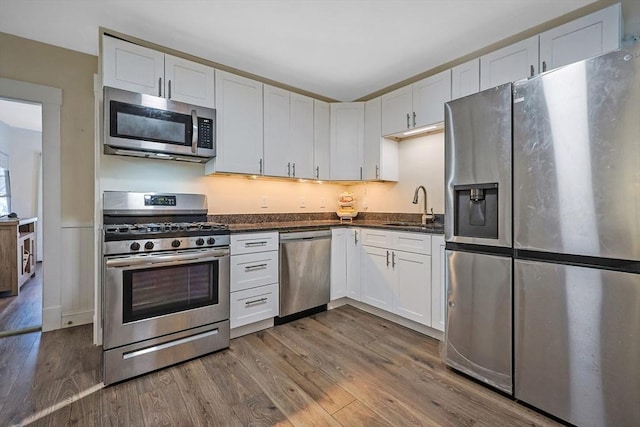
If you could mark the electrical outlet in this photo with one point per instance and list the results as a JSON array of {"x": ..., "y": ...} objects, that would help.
[
  {"x": 302, "y": 203},
  {"x": 322, "y": 204},
  {"x": 265, "y": 202},
  {"x": 365, "y": 204}
]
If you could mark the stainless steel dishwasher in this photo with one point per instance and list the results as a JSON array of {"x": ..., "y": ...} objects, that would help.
[{"x": 305, "y": 264}]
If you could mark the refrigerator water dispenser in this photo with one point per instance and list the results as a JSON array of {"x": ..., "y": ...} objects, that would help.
[{"x": 476, "y": 210}]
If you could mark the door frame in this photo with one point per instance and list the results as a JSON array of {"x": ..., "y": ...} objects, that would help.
[{"x": 51, "y": 100}]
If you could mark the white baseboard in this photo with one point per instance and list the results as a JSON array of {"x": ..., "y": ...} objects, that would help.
[
  {"x": 251, "y": 328},
  {"x": 51, "y": 318},
  {"x": 78, "y": 318}
]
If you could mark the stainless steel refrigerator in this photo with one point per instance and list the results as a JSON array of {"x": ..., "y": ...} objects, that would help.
[
  {"x": 574, "y": 240},
  {"x": 576, "y": 147},
  {"x": 478, "y": 236}
]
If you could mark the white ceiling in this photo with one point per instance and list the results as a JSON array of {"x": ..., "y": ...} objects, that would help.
[
  {"x": 21, "y": 115},
  {"x": 341, "y": 49}
]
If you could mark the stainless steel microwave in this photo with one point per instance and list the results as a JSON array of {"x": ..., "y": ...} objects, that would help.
[{"x": 149, "y": 126}]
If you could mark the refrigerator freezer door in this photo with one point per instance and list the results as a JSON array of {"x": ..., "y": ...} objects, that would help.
[
  {"x": 577, "y": 158},
  {"x": 478, "y": 332},
  {"x": 577, "y": 345},
  {"x": 477, "y": 158}
]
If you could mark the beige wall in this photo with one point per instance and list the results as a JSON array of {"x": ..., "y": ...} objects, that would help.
[
  {"x": 34, "y": 62},
  {"x": 226, "y": 194},
  {"x": 421, "y": 163}
]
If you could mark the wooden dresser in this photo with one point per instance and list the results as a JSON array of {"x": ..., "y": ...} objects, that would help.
[{"x": 17, "y": 253}]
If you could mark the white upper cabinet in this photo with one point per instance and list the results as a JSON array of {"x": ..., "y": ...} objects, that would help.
[
  {"x": 416, "y": 105},
  {"x": 276, "y": 132},
  {"x": 188, "y": 81},
  {"x": 301, "y": 136},
  {"x": 429, "y": 96},
  {"x": 397, "y": 110},
  {"x": 380, "y": 154},
  {"x": 288, "y": 134},
  {"x": 239, "y": 120},
  {"x": 321, "y": 140},
  {"x": 511, "y": 63},
  {"x": 347, "y": 140},
  {"x": 139, "y": 69},
  {"x": 465, "y": 79},
  {"x": 131, "y": 67},
  {"x": 591, "y": 35}
]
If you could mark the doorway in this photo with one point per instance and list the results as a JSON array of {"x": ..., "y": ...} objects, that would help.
[
  {"x": 21, "y": 213},
  {"x": 51, "y": 100}
]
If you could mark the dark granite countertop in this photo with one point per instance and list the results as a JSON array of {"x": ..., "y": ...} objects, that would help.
[{"x": 287, "y": 226}]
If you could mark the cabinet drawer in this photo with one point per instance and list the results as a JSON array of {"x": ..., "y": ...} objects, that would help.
[
  {"x": 378, "y": 238},
  {"x": 412, "y": 242},
  {"x": 253, "y": 242},
  {"x": 253, "y": 270},
  {"x": 254, "y": 305}
]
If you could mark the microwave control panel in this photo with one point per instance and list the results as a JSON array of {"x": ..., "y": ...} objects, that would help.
[{"x": 206, "y": 132}]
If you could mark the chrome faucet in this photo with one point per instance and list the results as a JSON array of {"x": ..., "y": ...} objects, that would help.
[{"x": 415, "y": 202}]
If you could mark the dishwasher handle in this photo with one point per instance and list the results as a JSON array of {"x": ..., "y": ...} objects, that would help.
[{"x": 305, "y": 235}]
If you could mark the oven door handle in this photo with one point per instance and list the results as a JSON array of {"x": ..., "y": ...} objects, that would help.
[{"x": 166, "y": 260}]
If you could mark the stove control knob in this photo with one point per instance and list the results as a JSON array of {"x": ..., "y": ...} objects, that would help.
[
  {"x": 148, "y": 246},
  {"x": 175, "y": 244},
  {"x": 135, "y": 246},
  {"x": 211, "y": 241},
  {"x": 199, "y": 242}
]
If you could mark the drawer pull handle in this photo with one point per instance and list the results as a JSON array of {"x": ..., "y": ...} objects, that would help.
[
  {"x": 256, "y": 301},
  {"x": 251, "y": 244},
  {"x": 255, "y": 267}
]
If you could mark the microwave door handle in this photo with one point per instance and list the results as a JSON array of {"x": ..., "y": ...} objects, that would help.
[{"x": 194, "y": 135}]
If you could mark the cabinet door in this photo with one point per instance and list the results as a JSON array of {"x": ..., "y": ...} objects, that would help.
[
  {"x": 189, "y": 82},
  {"x": 338, "y": 263},
  {"x": 465, "y": 79},
  {"x": 591, "y": 35},
  {"x": 511, "y": 63},
  {"x": 354, "y": 254},
  {"x": 438, "y": 292},
  {"x": 347, "y": 140},
  {"x": 301, "y": 136},
  {"x": 412, "y": 286},
  {"x": 372, "y": 140},
  {"x": 277, "y": 153},
  {"x": 397, "y": 109},
  {"x": 429, "y": 96},
  {"x": 131, "y": 67},
  {"x": 321, "y": 140},
  {"x": 239, "y": 120},
  {"x": 377, "y": 277}
]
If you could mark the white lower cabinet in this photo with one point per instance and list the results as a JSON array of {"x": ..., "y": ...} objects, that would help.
[
  {"x": 345, "y": 263},
  {"x": 412, "y": 290},
  {"x": 396, "y": 273},
  {"x": 254, "y": 278},
  {"x": 377, "y": 277}
]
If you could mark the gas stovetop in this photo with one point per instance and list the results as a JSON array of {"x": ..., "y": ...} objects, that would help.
[{"x": 166, "y": 230}]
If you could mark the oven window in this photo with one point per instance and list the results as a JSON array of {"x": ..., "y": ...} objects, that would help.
[{"x": 156, "y": 291}]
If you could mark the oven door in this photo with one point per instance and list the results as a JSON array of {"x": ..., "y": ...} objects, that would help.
[{"x": 150, "y": 295}]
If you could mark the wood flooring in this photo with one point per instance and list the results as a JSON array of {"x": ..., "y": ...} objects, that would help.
[
  {"x": 342, "y": 367},
  {"x": 25, "y": 309}
]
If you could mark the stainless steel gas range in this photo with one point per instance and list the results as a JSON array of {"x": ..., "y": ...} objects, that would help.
[{"x": 165, "y": 282}]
